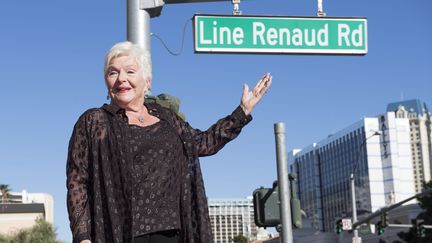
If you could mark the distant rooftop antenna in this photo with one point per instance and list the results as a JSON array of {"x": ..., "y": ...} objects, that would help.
[{"x": 320, "y": 12}]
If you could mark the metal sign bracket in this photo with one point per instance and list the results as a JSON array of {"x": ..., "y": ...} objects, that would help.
[
  {"x": 320, "y": 12},
  {"x": 236, "y": 5}
]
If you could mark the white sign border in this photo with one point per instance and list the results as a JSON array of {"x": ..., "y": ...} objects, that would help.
[{"x": 280, "y": 50}]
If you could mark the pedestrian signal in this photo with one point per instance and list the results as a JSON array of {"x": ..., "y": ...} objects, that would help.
[{"x": 339, "y": 226}]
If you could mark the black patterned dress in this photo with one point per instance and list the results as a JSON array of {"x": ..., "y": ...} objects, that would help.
[{"x": 124, "y": 181}]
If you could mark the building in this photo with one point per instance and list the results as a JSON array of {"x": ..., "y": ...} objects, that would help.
[
  {"x": 376, "y": 150},
  {"x": 418, "y": 115},
  {"x": 232, "y": 217},
  {"x": 23, "y": 209}
]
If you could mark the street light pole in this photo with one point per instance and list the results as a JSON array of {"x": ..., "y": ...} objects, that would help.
[
  {"x": 138, "y": 24},
  {"x": 356, "y": 238},
  {"x": 283, "y": 184}
]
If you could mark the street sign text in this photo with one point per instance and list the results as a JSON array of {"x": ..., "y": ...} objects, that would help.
[{"x": 304, "y": 35}]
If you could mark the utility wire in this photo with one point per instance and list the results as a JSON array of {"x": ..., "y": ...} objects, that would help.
[{"x": 182, "y": 43}]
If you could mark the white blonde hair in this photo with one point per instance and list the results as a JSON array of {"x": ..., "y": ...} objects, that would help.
[{"x": 127, "y": 48}]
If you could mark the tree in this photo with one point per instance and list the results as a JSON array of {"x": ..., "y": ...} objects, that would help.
[
  {"x": 240, "y": 239},
  {"x": 41, "y": 232},
  {"x": 4, "y": 188},
  {"x": 4, "y": 239},
  {"x": 425, "y": 203}
]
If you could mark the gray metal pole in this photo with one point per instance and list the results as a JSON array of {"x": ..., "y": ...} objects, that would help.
[
  {"x": 354, "y": 209},
  {"x": 356, "y": 238},
  {"x": 284, "y": 195},
  {"x": 138, "y": 24}
]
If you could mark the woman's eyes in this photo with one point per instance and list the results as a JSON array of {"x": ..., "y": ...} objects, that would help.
[
  {"x": 112, "y": 73},
  {"x": 116, "y": 73}
]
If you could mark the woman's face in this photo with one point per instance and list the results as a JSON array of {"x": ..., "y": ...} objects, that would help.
[{"x": 126, "y": 84}]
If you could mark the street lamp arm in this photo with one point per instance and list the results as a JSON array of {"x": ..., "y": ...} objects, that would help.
[
  {"x": 352, "y": 183},
  {"x": 357, "y": 159},
  {"x": 388, "y": 208}
]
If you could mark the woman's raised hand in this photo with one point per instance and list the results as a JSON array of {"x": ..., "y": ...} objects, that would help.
[{"x": 251, "y": 97}]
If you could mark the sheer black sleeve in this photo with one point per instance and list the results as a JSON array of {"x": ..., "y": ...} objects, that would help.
[
  {"x": 77, "y": 181},
  {"x": 214, "y": 138}
]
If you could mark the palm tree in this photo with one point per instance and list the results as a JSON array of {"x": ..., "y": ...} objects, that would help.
[{"x": 4, "y": 188}]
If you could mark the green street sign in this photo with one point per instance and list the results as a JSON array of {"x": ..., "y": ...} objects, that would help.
[{"x": 280, "y": 35}]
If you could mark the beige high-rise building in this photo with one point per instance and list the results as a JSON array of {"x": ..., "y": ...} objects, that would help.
[
  {"x": 22, "y": 210},
  {"x": 230, "y": 218},
  {"x": 420, "y": 133}
]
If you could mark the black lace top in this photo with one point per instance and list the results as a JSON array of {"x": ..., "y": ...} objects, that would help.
[
  {"x": 102, "y": 186},
  {"x": 157, "y": 154}
]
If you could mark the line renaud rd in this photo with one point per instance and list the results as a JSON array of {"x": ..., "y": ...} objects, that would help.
[{"x": 289, "y": 35}]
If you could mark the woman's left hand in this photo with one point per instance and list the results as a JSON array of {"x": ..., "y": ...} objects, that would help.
[{"x": 251, "y": 98}]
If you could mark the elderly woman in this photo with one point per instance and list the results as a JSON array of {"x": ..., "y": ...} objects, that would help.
[{"x": 133, "y": 173}]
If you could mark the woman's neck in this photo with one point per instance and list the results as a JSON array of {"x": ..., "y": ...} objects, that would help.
[{"x": 132, "y": 106}]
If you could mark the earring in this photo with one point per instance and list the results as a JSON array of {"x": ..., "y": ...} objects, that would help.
[
  {"x": 147, "y": 92},
  {"x": 108, "y": 96}
]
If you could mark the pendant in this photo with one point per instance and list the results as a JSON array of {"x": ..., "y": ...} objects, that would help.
[{"x": 141, "y": 119}]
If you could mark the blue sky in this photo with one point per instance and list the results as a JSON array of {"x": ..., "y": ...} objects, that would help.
[{"x": 52, "y": 71}]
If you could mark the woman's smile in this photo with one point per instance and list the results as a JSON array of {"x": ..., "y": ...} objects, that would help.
[{"x": 122, "y": 90}]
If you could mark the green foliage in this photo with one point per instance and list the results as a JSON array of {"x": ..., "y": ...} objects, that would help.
[
  {"x": 413, "y": 236},
  {"x": 4, "y": 239},
  {"x": 240, "y": 239},
  {"x": 167, "y": 101},
  {"x": 41, "y": 232},
  {"x": 4, "y": 189}
]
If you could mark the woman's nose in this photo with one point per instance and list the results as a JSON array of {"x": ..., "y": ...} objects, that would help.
[{"x": 122, "y": 76}]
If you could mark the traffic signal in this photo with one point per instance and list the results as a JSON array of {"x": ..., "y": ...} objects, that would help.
[
  {"x": 380, "y": 228},
  {"x": 296, "y": 216},
  {"x": 339, "y": 226},
  {"x": 267, "y": 206},
  {"x": 421, "y": 231},
  {"x": 384, "y": 219},
  {"x": 296, "y": 213}
]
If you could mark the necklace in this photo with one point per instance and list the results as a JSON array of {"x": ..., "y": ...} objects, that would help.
[{"x": 140, "y": 118}]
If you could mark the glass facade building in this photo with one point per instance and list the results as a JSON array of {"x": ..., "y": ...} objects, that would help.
[{"x": 381, "y": 165}]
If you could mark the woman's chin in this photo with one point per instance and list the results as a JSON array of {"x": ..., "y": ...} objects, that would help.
[
  {"x": 125, "y": 101},
  {"x": 121, "y": 102}
]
